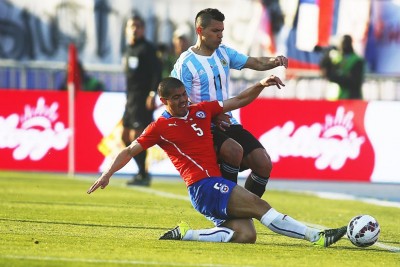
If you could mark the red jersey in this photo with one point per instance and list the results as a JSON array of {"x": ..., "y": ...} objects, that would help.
[{"x": 188, "y": 141}]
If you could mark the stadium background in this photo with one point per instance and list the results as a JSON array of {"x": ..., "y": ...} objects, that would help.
[{"x": 39, "y": 134}]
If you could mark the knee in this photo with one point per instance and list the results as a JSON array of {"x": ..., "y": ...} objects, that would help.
[
  {"x": 247, "y": 236},
  {"x": 269, "y": 164},
  {"x": 231, "y": 152},
  {"x": 244, "y": 230},
  {"x": 260, "y": 162}
]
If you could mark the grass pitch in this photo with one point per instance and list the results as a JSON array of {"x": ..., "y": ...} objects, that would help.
[{"x": 49, "y": 220}]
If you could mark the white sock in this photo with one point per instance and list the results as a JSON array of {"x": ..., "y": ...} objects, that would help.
[
  {"x": 283, "y": 224},
  {"x": 312, "y": 234},
  {"x": 216, "y": 234}
]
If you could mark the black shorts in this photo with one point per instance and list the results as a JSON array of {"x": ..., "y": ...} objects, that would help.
[
  {"x": 135, "y": 121},
  {"x": 240, "y": 135},
  {"x": 136, "y": 115}
]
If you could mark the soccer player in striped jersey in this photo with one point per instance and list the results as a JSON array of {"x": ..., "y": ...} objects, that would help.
[
  {"x": 204, "y": 69},
  {"x": 183, "y": 132}
]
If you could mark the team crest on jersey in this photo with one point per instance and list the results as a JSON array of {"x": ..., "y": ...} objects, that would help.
[
  {"x": 224, "y": 189},
  {"x": 223, "y": 62},
  {"x": 200, "y": 114}
]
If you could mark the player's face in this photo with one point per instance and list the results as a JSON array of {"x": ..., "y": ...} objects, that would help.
[
  {"x": 134, "y": 30},
  {"x": 211, "y": 35},
  {"x": 177, "y": 103}
]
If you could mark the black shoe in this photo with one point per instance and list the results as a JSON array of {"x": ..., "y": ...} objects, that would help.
[
  {"x": 140, "y": 179},
  {"x": 330, "y": 236},
  {"x": 177, "y": 233}
]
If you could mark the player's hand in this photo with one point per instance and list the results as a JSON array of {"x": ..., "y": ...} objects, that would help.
[
  {"x": 101, "y": 182},
  {"x": 281, "y": 61},
  {"x": 272, "y": 80},
  {"x": 222, "y": 121}
]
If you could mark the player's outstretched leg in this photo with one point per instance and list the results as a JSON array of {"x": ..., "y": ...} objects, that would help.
[{"x": 242, "y": 203}]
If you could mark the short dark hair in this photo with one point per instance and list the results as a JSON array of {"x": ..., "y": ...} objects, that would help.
[
  {"x": 204, "y": 17},
  {"x": 137, "y": 18},
  {"x": 167, "y": 85},
  {"x": 347, "y": 44}
]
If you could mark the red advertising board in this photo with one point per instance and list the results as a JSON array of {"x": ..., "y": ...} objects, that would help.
[
  {"x": 313, "y": 139},
  {"x": 87, "y": 135},
  {"x": 34, "y": 131},
  {"x": 321, "y": 140}
]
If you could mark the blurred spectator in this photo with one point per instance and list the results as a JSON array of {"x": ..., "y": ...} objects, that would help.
[
  {"x": 180, "y": 43},
  {"x": 143, "y": 73},
  {"x": 166, "y": 56},
  {"x": 345, "y": 68},
  {"x": 88, "y": 82}
]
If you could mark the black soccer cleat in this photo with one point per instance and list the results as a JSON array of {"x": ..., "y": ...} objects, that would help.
[{"x": 330, "y": 236}]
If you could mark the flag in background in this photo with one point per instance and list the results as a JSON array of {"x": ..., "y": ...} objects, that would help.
[
  {"x": 315, "y": 23},
  {"x": 74, "y": 75},
  {"x": 307, "y": 25},
  {"x": 353, "y": 20},
  {"x": 375, "y": 33},
  {"x": 326, "y": 25},
  {"x": 267, "y": 36},
  {"x": 313, "y": 26},
  {"x": 320, "y": 24},
  {"x": 384, "y": 42},
  {"x": 271, "y": 22}
]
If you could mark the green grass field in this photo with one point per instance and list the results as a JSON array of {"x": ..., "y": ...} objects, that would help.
[{"x": 49, "y": 220}]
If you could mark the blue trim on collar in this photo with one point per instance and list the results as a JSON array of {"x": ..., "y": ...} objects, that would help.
[{"x": 166, "y": 114}]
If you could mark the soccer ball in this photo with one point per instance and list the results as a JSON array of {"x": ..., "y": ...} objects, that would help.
[{"x": 363, "y": 230}]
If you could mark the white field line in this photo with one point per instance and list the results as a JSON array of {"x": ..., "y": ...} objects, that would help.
[
  {"x": 160, "y": 193},
  {"x": 330, "y": 195}
]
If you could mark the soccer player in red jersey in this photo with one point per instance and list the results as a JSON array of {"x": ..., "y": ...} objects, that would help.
[{"x": 183, "y": 132}]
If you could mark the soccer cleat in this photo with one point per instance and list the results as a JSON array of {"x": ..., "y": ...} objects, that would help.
[
  {"x": 330, "y": 236},
  {"x": 177, "y": 233}
]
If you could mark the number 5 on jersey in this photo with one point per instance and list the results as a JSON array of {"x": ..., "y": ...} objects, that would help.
[{"x": 197, "y": 129}]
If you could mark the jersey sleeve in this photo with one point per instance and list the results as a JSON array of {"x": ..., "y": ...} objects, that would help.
[
  {"x": 237, "y": 60},
  {"x": 214, "y": 107},
  {"x": 149, "y": 137}
]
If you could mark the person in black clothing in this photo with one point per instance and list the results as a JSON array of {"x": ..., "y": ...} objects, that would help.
[{"x": 143, "y": 74}]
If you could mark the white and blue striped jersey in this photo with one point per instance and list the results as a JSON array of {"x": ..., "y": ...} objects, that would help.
[{"x": 206, "y": 78}]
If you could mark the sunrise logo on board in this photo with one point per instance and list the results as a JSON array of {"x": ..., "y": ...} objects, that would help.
[
  {"x": 330, "y": 143},
  {"x": 34, "y": 133}
]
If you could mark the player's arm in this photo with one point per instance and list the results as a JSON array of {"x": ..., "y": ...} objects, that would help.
[
  {"x": 156, "y": 73},
  {"x": 265, "y": 63},
  {"x": 123, "y": 157},
  {"x": 251, "y": 93}
]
